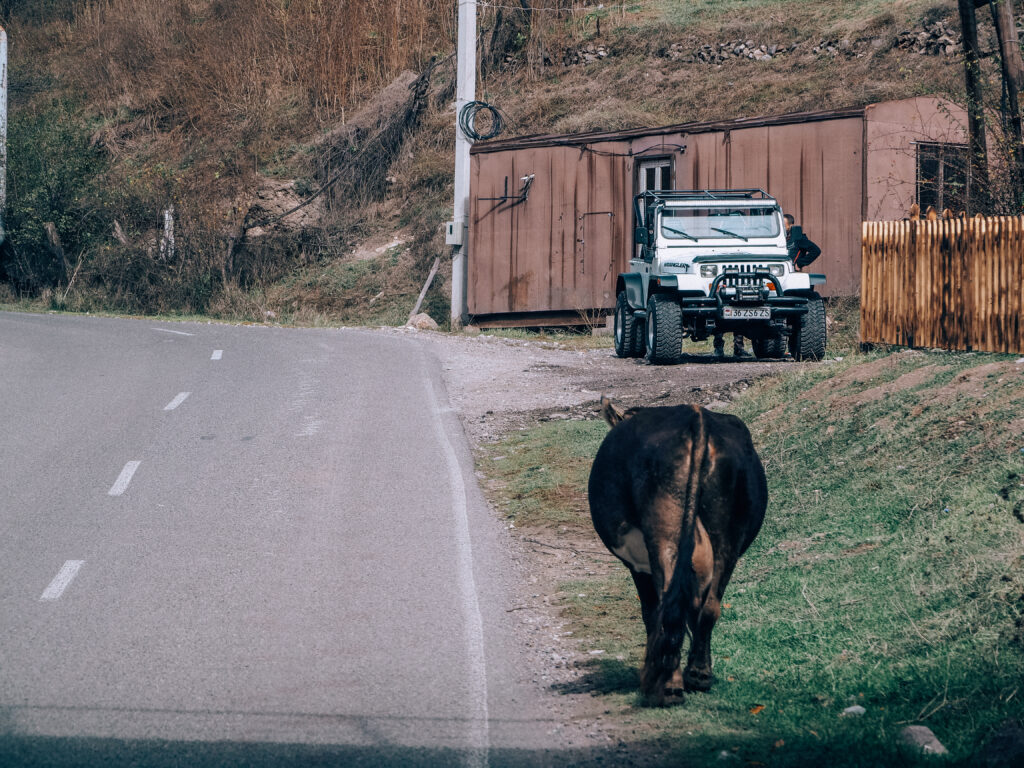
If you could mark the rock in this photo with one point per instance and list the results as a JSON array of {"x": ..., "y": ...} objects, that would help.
[
  {"x": 423, "y": 322},
  {"x": 270, "y": 315},
  {"x": 921, "y": 739},
  {"x": 855, "y": 711}
]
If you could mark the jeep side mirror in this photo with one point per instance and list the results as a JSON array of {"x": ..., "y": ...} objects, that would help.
[{"x": 640, "y": 236}]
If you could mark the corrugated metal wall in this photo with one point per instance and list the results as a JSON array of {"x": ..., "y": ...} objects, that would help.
[
  {"x": 814, "y": 170},
  {"x": 561, "y": 249}
]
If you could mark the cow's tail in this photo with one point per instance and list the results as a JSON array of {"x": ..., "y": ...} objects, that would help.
[{"x": 681, "y": 599}]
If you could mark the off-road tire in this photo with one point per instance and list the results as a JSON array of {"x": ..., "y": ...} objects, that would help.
[
  {"x": 774, "y": 346},
  {"x": 807, "y": 341},
  {"x": 664, "y": 329},
  {"x": 629, "y": 337}
]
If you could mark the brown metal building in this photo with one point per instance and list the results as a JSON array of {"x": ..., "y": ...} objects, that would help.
[{"x": 551, "y": 216}]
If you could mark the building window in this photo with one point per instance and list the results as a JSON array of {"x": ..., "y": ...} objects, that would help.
[
  {"x": 654, "y": 175},
  {"x": 943, "y": 175}
]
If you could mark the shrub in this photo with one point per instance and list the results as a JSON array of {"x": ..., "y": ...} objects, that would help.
[{"x": 53, "y": 176}]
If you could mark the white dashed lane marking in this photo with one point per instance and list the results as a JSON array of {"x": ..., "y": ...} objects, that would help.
[
  {"x": 168, "y": 330},
  {"x": 177, "y": 401},
  {"x": 217, "y": 354},
  {"x": 60, "y": 582},
  {"x": 121, "y": 484}
]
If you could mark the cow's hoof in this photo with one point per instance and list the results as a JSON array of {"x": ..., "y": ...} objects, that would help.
[
  {"x": 676, "y": 685},
  {"x": 668, "y": 697},
  {"x": 673, "y": 696},
  {"x": 697, "y": 679}
]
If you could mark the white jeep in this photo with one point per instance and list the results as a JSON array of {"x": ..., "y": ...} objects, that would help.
[{"x": 715, "y": 261}]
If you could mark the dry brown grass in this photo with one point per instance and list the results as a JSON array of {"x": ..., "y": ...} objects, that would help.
[{"x": 241, "y": 61}]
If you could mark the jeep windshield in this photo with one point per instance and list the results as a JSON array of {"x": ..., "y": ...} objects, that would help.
[{"x": 719, "y": 223}]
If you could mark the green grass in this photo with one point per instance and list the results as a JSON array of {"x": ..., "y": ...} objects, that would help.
[{"x": 889, "y": 572}]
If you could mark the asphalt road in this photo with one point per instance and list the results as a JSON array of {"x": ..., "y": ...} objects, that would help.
[{"x": 230, "y": 545}]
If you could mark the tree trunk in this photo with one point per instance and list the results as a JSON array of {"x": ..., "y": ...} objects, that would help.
[
  {"x": 979, "y": 187},
  {"x": 1013, "y": 83}
]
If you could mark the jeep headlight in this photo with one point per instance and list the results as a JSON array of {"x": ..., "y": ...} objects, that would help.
[
  {"x": 708, "y": 270},
  {"x": 777, "y": 269}
]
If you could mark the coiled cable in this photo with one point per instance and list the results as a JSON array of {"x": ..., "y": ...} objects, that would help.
[{"x": 467, "y": 120}]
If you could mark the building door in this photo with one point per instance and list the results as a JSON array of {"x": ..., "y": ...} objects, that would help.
[{"x": 652, "y": 175}]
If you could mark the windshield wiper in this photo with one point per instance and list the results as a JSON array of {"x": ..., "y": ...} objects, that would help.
[
  {"x": 733, "y": 234},
  {"x": 679, "y": 232}
]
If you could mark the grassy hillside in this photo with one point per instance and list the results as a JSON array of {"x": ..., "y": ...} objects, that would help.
[
  {"x": 889, "y": 572},
  {"x": 120, "y": 109}
]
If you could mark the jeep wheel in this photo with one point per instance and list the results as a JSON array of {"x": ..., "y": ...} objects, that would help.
[
  {"x": 773, "y": 346},
  {"x": 629, "y": 338},
  {"x": 807, "y": 341},
  {"x": 664, "y": 329}
]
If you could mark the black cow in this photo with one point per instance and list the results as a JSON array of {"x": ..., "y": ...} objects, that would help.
[{"x": 677, "y": 494}]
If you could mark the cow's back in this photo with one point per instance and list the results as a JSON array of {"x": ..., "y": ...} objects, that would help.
[{"x": 642, "y": 456}]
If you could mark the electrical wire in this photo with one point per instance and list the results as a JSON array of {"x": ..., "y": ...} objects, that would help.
[
  {"x": 656, "y": 149},
  {"x": 467, "y": 120}
]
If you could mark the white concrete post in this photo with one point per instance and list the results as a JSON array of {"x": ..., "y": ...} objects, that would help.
[
  {"x": 167, "y": 239},
  {"x": 465, "y": 92}
]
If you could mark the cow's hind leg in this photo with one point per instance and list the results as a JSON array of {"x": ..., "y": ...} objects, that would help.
[
  {"x": 711, "y": 580},
  {"x": 697, "y": 676},
  {"x": 648, "y": 595}
]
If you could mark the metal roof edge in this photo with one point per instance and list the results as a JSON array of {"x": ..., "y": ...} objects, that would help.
[{"x": 594, "y": 137}]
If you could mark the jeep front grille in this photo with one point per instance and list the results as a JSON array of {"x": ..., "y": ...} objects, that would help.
[{"x": 743, "y": 280}]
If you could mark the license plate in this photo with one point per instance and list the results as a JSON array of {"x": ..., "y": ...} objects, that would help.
[{"x": 747, "y": 313}]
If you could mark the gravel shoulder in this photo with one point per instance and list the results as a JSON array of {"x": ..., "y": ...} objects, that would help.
[{"x": 501, "y": 385}]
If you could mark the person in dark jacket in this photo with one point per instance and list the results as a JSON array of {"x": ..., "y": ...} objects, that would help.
[{"x": 801, "y": 249}]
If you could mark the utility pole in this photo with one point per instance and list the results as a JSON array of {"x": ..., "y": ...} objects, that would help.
[{"x": 465, "y": 92}]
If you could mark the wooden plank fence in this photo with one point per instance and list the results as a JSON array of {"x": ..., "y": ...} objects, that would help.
[{"x": 950, "y": 283}]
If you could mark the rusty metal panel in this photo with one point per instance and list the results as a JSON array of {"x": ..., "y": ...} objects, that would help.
[
  {"x": 749, "y": 158},
  {"x": 892, "y": 129},
  {"x": 704, "y": 162},
  {"x": 602, "y": 219},
  {"x": 815, "y": 171},
  {"x": 561, "y": 248},
  {"x": 817, "y": 175}
]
